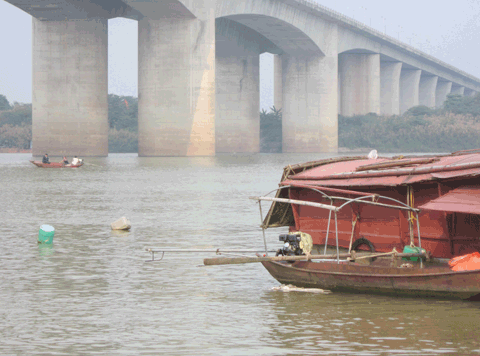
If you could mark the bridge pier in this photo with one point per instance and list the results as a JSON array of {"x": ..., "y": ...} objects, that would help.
[
  {"x": 409, "y": 88},
  {"x": 277, "y": 82},
  {"x": 237, "y": 92},
  {"x": 176, "y": 86},
  {"x": 359, "y": 81},
  {"x": 469, "y": 92},
  {"x": 458, "y": 90},
  {"x": 427, "y": 90},
  {"x": 390, "y": 87},
  {"x": 70, "y": 87},
  {"x": 443, "y": 89},
  {"x": 310, "y": 106}
]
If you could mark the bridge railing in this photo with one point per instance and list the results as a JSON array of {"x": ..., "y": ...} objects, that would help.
[{"x": 370, "y": 30}]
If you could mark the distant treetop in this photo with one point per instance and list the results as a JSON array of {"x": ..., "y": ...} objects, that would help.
[{"x": 4, "y": 104}]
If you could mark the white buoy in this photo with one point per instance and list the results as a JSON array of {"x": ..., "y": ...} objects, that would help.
[{"x": 121, "y": 224}]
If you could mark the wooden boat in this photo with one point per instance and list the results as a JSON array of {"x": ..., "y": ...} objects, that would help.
[
  {"x": 317, "y": 200},
  {"x": 445, "y": 189},
  {"x": 56, "y": 164},
  {"x": 419, "y": 275},
  {"x": 351, "y": 277}
]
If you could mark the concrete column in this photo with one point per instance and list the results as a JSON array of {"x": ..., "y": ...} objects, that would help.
[
  {"x": 458, "y": 90},
  {"x": 237, "y": 127},
  {"x": 277, "y": 82},
  {"x": 176, "y": 86},
  {"x": 409, "y": 88},
  {"x": 70, "y": 88},
  {"x": 443, "y": 89},
  {"x": 469, "y": 92},
  {"x": 427, "y": 93},
  {"x": 390, "y": 87},
  {"x": 359, "y": 75},
  {"x": 309, "y": 120}
]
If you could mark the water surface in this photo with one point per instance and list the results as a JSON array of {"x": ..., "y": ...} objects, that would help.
[{"x": 92, "y": 292}]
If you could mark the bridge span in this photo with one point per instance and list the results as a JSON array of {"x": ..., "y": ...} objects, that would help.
[{"x": 198, "y": 68}]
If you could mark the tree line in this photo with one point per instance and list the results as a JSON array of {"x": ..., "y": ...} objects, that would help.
[
  {"x": 16, "y": 124},
  {"x": 456, "y": 126}
]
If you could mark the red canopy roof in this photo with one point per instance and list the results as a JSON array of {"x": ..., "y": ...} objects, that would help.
[
  {"x": 397, "y": 172},
  {"x": 461, "y": 200}
]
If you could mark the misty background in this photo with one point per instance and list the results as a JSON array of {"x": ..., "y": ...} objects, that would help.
[{"x": 445, "y": 30}]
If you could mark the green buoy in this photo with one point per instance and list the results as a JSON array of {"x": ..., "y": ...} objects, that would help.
[{"x": 45, "y": 235}]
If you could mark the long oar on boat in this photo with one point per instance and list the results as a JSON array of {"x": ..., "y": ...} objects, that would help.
[
  {"x": 262, "y": 257},
  {"x": 345, "y": 256}
]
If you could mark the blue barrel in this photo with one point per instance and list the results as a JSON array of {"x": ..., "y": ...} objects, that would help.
[{"x": 45, "y": 235}]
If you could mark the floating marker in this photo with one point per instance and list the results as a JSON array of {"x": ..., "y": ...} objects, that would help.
[
  {"x": 121, "y": 224},
  {"x": 45, "y": 235}
]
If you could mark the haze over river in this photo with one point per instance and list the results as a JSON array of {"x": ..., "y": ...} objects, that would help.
[{"x": 92, "y": 293}]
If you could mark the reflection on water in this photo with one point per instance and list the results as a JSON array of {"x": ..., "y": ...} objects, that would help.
[
  {"x": 91, "y": 292},
  {"x": 45, "y": 249}
]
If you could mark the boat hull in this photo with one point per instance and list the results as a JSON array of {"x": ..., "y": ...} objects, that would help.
[
  {"x": 437, "y": 282},
  {"x": 55, "y": 165}
]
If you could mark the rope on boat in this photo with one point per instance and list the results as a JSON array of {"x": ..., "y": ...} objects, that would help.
[
  {"x": 354, "y": 222},
  {"x": 411, "y": 218}
]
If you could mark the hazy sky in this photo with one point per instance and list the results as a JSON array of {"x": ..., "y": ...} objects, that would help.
[{"x": 448, "y": 31}]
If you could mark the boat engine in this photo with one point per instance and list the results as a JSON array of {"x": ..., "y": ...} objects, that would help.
[{"x": 291, "y": 246}]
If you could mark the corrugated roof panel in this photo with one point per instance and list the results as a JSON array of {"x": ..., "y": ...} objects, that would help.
[
  {"x": 345, "y": 174},
  {"x": 461, "y": 200}
]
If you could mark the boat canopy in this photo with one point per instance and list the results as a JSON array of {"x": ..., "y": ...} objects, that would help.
[
  {"x": 386, "y": 171},
  {"x": 281, "y": 214},
  {"x": 462, "y": 200}
]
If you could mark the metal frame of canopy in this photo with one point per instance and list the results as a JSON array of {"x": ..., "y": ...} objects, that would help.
[{"x": 361, "y": 199}]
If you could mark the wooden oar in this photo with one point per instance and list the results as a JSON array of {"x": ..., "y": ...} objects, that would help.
[{"x": 241, "y": 260}]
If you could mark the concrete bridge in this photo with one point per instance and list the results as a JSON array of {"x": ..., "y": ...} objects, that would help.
[{"x": 198, "y": 67}]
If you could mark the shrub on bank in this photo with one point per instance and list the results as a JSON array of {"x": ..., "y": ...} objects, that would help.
[
  {"x": 271, "y": 130},
  {"x": 122, "y": 141},
  {"x": 15, "y": 136},
  {"x": 428, "y": 133}
]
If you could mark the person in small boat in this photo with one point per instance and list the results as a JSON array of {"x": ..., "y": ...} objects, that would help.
[
  {"x": 45, "y": 158},
  {"x": 75, "y": 161},
  {"x": 65, "y": 160}
]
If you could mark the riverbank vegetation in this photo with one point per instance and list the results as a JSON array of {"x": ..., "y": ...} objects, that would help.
[
  {"x": 271, "y": 130},
  {"x": 123, "y": 124},
  {"x": 456, "y": 126},
  {"x": 16, "y": 124}
]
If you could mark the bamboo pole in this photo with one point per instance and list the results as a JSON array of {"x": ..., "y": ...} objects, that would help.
[
  {"x": 197, "y": 250},
  {"x": 390, "y": 164},
  {"x": 297, "y": 202},
  {"x": 242, "y": 260},
  {"x": 388, "y": 254}
]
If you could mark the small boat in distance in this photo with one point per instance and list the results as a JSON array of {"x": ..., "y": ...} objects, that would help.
[{"x": 57, "y": 164}]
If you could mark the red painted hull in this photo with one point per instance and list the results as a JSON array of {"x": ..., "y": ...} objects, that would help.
[
  {"x": 55, "y": 165},
  {"x": 347, "y": 277}
]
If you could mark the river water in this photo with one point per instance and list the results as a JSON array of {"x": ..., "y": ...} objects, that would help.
[{"x": 92, "y": 293}]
